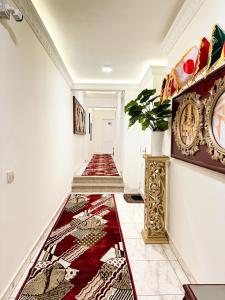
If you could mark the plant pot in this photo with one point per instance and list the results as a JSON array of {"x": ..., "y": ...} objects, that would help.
[{"x": 157, "y": 143}]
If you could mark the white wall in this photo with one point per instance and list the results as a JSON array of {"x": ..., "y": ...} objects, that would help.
[
  {"x": 197, "y": 203},
  {"x": 159, "y": 72},
  {"x": 131, "y": 149},
  {"x": 37, "y": 143},
  {"x": 118, "y": 153},
  {"x": 101, "y": 100},
  {"x": 136, "y": 142}
]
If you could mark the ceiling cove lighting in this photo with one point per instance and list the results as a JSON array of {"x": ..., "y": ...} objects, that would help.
[
  {"x": 100, "y": 92},
  {"x": 106, "y": 69},
  {"x": 105, "y": 108}
]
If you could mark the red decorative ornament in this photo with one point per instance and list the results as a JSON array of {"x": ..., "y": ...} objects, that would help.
[{"x": 189, "y": 66}]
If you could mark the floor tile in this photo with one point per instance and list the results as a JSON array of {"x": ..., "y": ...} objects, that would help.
[
  {"x": 131, "y": 215},
  {"x": 137, "y": 250},
  {"x": 155, "y": 278},
  {"x": 131, "y": 231},
  {"x": 129, "y": 212}
]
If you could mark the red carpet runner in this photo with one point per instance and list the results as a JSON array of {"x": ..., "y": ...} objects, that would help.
[
  {"x": 84, "y": 256},
  {"x": 101, "y": 165}
]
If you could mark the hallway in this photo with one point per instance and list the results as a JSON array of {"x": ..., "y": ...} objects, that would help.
[
  {"x": 104, "y": 97},
  {"x": 157, "y": 273}
]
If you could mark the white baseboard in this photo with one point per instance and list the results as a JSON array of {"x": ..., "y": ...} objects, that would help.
[
  {"x": 129, "y": 190},
  {"x": 184, "y": 266},
  {"x": 142, "y": 193},
  {"x": 78, "y": 171},
  {"x": 27, "y": 260}
]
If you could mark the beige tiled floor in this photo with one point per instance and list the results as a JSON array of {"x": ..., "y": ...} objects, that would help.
[{"x": 156, "y": 271}]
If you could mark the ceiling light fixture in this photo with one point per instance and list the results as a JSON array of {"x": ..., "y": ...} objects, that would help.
[{"x": 106, "y": 69}]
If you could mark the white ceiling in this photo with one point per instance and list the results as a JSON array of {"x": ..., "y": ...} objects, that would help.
[{"x": 125, "y": 34}]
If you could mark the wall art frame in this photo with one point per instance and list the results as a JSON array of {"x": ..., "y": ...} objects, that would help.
[
  {"x": 214, "y": 147},
  {"x": 188, "y": 124},
  {"x": 205, "y": 151},
  {"x": 79, "y": 118}
]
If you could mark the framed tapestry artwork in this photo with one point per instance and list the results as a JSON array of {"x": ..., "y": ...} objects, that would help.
[
  {"x": 79, "y": 118},
  {"x": 198, "y": 123}
]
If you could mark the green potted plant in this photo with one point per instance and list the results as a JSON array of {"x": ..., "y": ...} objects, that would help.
[{"x": 151, "y": 113}]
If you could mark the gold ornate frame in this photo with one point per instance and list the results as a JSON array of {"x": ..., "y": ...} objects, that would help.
[
  {"x": 214, "y": 149},
  {"x": 190, "y": 98}
]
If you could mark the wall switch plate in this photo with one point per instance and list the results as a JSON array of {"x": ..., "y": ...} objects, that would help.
[{"x": 10, "y": 176}]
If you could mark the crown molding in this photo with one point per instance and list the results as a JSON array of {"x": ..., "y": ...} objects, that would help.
[
  {"x": 33, "y": 19},
  {"x": 183, "y": 18}
]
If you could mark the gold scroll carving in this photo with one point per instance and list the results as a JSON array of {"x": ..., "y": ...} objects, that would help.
[{"x": 154, "y": 231}]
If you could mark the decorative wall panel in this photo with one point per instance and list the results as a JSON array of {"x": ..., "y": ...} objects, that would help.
[
  {"x": 198, "y": 134},
  {"x": 79, "y": 118}
]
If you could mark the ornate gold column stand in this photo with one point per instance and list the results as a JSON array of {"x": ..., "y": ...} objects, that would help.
[{"x": 154, "y": 231}]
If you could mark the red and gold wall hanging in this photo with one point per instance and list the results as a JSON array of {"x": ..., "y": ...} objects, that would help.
[{"x": 198, "y": 134}]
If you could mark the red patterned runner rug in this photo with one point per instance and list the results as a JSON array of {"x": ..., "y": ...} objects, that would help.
[
  {"x": 84, "y": 257},
  {"x": 101, "y": 165}
]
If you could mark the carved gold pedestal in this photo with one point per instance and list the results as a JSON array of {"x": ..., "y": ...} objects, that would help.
[{"x": 154, "y": 231}]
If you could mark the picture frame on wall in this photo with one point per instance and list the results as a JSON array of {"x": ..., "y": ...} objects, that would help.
[
  {"x": 198, "y": 118},
  {"x": 79, "y": 118}
]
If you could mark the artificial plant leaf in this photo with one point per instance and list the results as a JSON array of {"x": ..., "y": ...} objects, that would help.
[
  {"x": 153, "y": 99},
  {"x": 162, "y": 125},
  {"x": 141, "y": 94},
  {"x": 157, "y": 103},
  {"x": 129, "y": 105},
  {"x": 149, "y": 92},
  {"x": 135, "y": 110},
  {"x": 133, "y": 120},
  {"x": 149, "y": 115},
  {"x": 146, "y": 93},
  {"x": 166, "y": 101},
  {"x": 144, "y": 98},
  {"x": 145, "y": 124}
]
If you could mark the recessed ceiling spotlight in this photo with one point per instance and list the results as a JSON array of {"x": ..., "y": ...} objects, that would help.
[{"x": 106, "y": 69}]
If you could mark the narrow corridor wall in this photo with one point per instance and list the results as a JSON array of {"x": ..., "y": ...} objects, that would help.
[
  {"x": 135, "y": 143},
  {"x": 196, "y": 221},
  {"x": 37, "y": 143}
]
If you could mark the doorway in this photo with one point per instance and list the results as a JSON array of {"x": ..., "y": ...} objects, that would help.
[
  {"x": 103, "y": 131},
  {"x": 108, "y": 136}
]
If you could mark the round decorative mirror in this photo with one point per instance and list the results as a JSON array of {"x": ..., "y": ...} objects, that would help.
[
  {"x": 218, "y": 121},
  {"x": 215, "y": 121}
]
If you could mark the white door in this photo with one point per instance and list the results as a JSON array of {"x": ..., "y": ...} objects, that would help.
[{"x": 108, "y": 136}]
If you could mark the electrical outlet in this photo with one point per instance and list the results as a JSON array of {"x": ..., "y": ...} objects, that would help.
[{"x": 10, "y": 176}]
